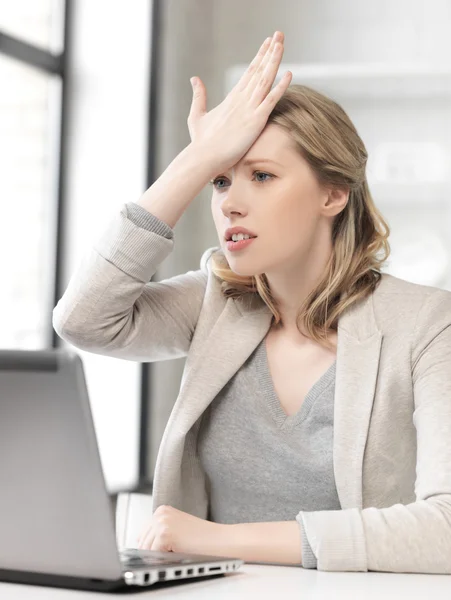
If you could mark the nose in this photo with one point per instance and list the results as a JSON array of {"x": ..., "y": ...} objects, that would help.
[{"x": 233, "y": 201}]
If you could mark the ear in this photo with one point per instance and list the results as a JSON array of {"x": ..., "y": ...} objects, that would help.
[{"x": 337, "y": 198}]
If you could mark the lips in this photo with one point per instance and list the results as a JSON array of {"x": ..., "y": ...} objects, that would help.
[
  {"x": 235, "y": 231},
  {"x": 240, "y": 245}
]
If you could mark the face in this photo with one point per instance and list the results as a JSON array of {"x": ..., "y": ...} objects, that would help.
[{"x": 277, "y": 198}]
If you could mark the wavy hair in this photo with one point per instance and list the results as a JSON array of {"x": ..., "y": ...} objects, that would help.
[{"x": 327, "y": 139}]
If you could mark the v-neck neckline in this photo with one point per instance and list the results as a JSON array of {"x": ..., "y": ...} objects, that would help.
[{"x": 266, "y": 383}]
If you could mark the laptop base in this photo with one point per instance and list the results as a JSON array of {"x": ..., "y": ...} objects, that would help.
[{"x": 93, "y": 585}]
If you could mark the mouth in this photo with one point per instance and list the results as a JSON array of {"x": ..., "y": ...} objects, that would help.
[
  {"x": 228, "y": 238},
  {"x": 240, "y": 245}
]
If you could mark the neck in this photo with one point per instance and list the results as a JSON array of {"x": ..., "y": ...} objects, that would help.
[{"x": 291, "y": 286}]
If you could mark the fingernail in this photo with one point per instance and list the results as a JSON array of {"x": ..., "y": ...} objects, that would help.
[{"x": 193, "y": 81}]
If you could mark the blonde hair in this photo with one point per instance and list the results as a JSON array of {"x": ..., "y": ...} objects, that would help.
[{"x": 326, "y": 138}]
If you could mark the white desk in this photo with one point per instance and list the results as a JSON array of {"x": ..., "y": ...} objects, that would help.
[{"x": 270, "y": 583}]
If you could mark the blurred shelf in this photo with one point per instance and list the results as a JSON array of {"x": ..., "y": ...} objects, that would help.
[
  {"x": 411, "y": 193},
  {"x": 364, "y": 80}
]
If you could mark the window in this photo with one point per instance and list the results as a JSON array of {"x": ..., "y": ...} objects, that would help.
[
  {"x": 29, "y": 116},
  {"x": 38, "y": 22}
]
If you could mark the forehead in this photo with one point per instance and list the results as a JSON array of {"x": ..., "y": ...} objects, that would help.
[{"x": 274, "y": 143}]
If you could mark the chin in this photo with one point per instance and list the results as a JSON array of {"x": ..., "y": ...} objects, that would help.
[
  {"x": 242, "y": 270},
  {"x": 243, "y": 273}
]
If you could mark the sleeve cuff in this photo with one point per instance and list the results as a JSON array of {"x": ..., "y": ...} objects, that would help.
[
  {"x": 146, "y": 220},
  {"x": 337, "y": 538},
  {"x": 309, "y": 560}
]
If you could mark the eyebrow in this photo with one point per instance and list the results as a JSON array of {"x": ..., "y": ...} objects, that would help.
[{"x": 251, "y": 161}]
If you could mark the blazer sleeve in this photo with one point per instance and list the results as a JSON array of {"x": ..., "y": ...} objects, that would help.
[
  {"x": 111, "y": 307},
  {"x": 412, "y": 538},
  {"x": 308, "y": 559}
]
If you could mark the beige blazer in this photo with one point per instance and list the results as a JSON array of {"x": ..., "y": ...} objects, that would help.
[{"x": 392, "y": 412}]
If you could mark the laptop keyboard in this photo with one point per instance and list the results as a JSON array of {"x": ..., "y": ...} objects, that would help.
[{"x": 144, "y": 558}]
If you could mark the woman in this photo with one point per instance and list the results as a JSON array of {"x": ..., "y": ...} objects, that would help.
[{"x": 314, "y": 416}]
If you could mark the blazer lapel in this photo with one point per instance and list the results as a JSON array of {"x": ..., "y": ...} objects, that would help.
[
  {"x": 358, "y": 353},
  {"x": 232, "y": 339},
  {"x": 234, "y": 336}
]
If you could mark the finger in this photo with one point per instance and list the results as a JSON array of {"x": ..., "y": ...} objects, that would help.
[
  {"x": 158, "y": 545},
  {"x": 275, "y": 94},
  {"x": 140, "y": 539},
  {"x": 263, "y": 87},
  {"x": 255, "y": 81},
  {"x": 199, "y": 101},
  {"x": 143, "y": 533},
  {"x": 148, "y": 539},
  {"x": 245, "y": 78},
  {"x": 257, "y": 72}
]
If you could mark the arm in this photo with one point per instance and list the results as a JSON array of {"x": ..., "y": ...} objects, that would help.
[
  {"x": 413, "y": 538},
  {"x": 275, "y": 542},
  {"x": 110, "y": 308}
]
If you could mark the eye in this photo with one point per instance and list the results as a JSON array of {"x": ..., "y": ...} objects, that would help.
[
  {"x": 266, "y": 175},
  {"x": 215, "y": 182}
]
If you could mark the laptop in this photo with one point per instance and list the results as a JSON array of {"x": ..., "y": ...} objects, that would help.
[{"x": 56, "y": 517}]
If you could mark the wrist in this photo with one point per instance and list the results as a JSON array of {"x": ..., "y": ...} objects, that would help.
[
  {"x": 226, "y": 539},
  {"x": 198, "y": 156},
  {"x": 171, "y": 194}
]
